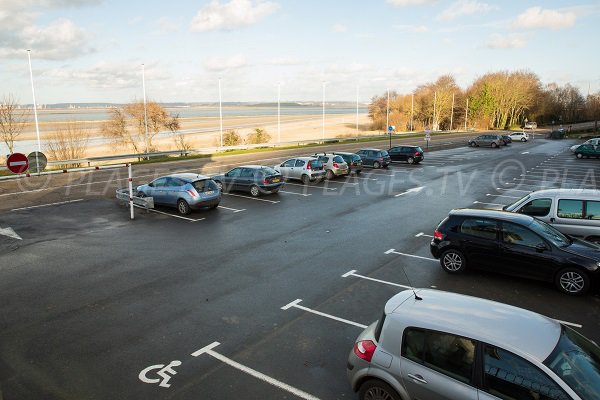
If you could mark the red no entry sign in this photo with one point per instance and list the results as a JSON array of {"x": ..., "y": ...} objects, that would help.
[{"x": 17, "y": 163}]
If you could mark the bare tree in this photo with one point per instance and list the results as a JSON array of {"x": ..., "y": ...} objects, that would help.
[
  {"x": 258, "y": 136},
  {"x": 154, "y": 113},
  {"x": 68, "y": 143},
  {"x": 115, "y": 128},
  {"x": 172, "y": 124},
  {"x": 232, "y": 138},
  {"x": 12, "y": 121}
]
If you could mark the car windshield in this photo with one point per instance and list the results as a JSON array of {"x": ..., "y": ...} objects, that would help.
[
  {"x": 549, "y": 233},
  {"x": 516, "y": 204},
  {"x": 576, "y": 361}
]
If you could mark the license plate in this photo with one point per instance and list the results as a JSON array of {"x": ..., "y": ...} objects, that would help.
[
  {"x": 276, "y": 180},
  {"x": 209, "y": 192}
]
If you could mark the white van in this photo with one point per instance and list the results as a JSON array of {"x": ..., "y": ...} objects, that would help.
[{"x": 575, "y": 212}]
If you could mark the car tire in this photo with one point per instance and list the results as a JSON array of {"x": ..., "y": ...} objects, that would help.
[
  {"x": 329, "y": 174},
  {"x": 219, "y": 185},
  {"x": 254, "y": 191},
  {"x": 473, "y": 144},
  {"x": 410, "y": 160},
  {"x": 572, "y": 281},
  {"x": 453, "y": 261},
  {"x": 579, "y": 155},
  {"x": 214, "y": 206},
  {"x": 523, "y": 140},
  {"x": 141, "y": 194},
  {"x": 375, "y": 389},
  {"x": 305, "y": 179},
  {"x": 376, "y": 165},
  {"x": 183, "y": 207},
  {"x": 494, "y": 145},
  {"x": 357, "y": 172}
]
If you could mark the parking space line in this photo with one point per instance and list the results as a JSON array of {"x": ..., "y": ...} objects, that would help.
[
  {"x": 168, "y": 214},
  {"x": 47, "y": 205},
  {"x": 514, "y": 190},
  {"x": 258, "y": 375},
  {"x": 352, "y": 273},
  {"x": 311, "y": 186},
  {"x": 341, "y": 183},
  {"x": 295, "y": 304},
  {"x": 297, "y": 194},
  {"x": 235, "y": 210},
  {"x": 489, "y": 204},
  {"x": 502, "y": 195},
  {"x": 360, "y": 177},
  {"x": 393, "y": 251},
  {"x": 422, "y": 234},
  {"x": 251, "y": 198}
]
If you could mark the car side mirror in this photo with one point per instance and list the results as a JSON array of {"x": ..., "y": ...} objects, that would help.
[{"x": 540, "y": 247}]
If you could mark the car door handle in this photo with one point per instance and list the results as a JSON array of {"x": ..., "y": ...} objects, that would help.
[{"x": 417, "y": 378}]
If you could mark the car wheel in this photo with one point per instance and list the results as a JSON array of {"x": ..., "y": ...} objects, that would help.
[
  {"x": 183, "y": 207},
  {"x": 376, "y": 165},
  {"x": 377, "y": 390},
  {"x": 473, "y": 144},
  {"x": 410, "y": 160},
  {"x": 254, "y": 191},
  {"x": 329, "y": 174},
  {"x": 523, "y": 140},
  {"x": 494, "y": 145},
  {"x": 305, "y": 179},
  {"x": 141, "y": 194},
  {"x": 219, "y": 185},
  {"x": 357, "y": 172},
  {"x": 572, "y": 281},
  {"x": 578, "y": 155},
  {"x": 453, "y": 261}
]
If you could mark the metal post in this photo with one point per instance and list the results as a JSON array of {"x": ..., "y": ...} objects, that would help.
[
  {"x": 357, "y": 133},
  {"x": 145, "y": 111},
  {"x": 220, "y": 114},
  {"x": 412, "y": 111},
  {"x": 387, "y": 112},
  {"x": 434, "y": 102},
  {"x": 130, "y": 192},
  {"x": 466, "y": 114},
  {"x": 37, "y": 128},
  {"x": 279, "y": 112},
  {"x": 323, "y": 126},
  {"x": 452, "y": 112}
]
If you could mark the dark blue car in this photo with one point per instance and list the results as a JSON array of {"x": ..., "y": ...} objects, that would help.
[{"x": 254, "y": 179}]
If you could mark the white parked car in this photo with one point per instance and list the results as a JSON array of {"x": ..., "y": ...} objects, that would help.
[
  {"x": 531, "y": 125},
  {"x": 519, "y": 136}
]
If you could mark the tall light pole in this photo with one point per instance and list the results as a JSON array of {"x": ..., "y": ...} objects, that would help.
[
  {"x": 466, "y": 114},
  {"x": 387, "y": 117},
  {"x": 357, "y": 112},
  {"x": 412, "y": 112},
  {"x": 220, "y": 114},
  {"x": 452, "y": 112},
  {"x": 37, "y": 128},
  {"x": 145, "y": 110},
  {"x": 279, "y": 112},
  {"x": 323, "y": 127}
]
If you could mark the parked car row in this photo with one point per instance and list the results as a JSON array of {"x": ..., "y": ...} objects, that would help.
[{"x": 495, "y": 141}]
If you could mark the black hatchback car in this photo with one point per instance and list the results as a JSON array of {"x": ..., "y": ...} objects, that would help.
[
  {"x": 515, "y": 244},
  {"x": 375, "y": 158},
  {"x": 255, "y": 179},
  {"x": 409, "y": 154},
  {"x": 353, "y": 160}
]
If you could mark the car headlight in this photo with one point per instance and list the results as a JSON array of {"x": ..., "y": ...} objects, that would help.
[{"x": 598, "y": 264}]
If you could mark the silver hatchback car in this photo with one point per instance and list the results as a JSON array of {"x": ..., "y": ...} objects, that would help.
[
  {"x": 305, "y": 169},
  {"x": 333, "y": 164},
  {"x": 437, "y": 345}
]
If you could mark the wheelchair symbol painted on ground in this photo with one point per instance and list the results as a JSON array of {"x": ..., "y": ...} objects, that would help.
[{"x": 164, "y": 373}]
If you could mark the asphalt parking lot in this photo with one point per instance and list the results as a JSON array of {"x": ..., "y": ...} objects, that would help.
[{"x": 260, "y": 298}]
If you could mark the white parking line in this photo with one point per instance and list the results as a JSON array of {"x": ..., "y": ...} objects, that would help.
[
  {"x": 265, "y": 378},
  {"x": 422, "y": 234},
  {"x": 252, "y": 198},
  {"x": 298, "y": 194},
  {"x": 341, "y": 183},
  {"x": 310, "y": 186},
  {"x": 170, "y": 215},
  {"x": 488, "y": 204},
  {"x": 360, "y": 177},
  {"x": 295, "y": 304},
  {"x": 393, "y": 251},
  {"x": 352, "y": 273},
  {"x": 502, "y": 195},
  {"x": 235, "y": 210},
  {"x": 47, "y": 205},
  {"x": 514, "y": 190}
]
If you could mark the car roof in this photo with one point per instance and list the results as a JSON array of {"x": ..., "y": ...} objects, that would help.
[
  {"x": 187, "y": 176},
  {"x": 566, "y": 192},
  {"x": 503, "y": 215},
  {"x": 344, "y": 153},
  {"x": 303, "y": 158},
  {"x": 254, "y": 166},
  {"x": 371, "y": 148},
  {"x": 512, "y": 328}
]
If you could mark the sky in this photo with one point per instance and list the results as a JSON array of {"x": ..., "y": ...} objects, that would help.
[{"x": 93, "y": 50}]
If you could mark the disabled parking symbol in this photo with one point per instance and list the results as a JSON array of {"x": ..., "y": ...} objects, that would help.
[{"x": 165, "y": 373}]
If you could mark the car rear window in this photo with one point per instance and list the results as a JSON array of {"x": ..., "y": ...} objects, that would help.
[
  {"x": 356, "y": 158},
  {"x": 384, "y": 153},
  {"x": 338, "y": 159},
  {"x": 419, "y": 149},
  {"x": 268, "y": 171},
  {"x": 316, "y": 164},
  {"x": 205, "y": 185}
]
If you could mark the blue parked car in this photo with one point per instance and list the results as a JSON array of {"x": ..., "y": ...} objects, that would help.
[
  {"x": 254, "y": 179},
  {"x": 184, "y": 191}
]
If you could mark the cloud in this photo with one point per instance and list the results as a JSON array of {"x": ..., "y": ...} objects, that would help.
[
  {"x": 513, "y": 41},
  {"x": 232, "y": 15},
  {"x": 285, "y": 61},
  {"x": 339, "y": 28},
  {"x": 464, "y": 7},
  {"x": 537, "y": 17},
  {"x": 166, "y": 24},
  {"x": 225, "y": 63},
  {"x": 402, "y": 3},
  {"x": 412, "y": 28}
]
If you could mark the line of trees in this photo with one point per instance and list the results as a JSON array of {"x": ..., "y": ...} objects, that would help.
[{"x": 496, "y": 100}]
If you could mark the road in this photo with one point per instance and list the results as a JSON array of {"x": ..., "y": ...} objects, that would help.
[{"x": 94, "y": 305}]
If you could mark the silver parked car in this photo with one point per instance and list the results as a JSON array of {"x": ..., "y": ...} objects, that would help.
[
  {"x": 486, "y": 140},
  {"x": 334, "y": 165},
  {"x": 184, "y": 191},
  {"x": 305, "y": 169},
  {"x": 519, "y": 136},
  {"x": 437, "y": 345}
]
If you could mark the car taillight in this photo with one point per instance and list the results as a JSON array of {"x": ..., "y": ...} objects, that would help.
[
  {"x": 418, "y": 153},
  {"x": 264, "y": 181},
  {"x": 335, "y": 165},
  {"x": 308, "y": 166},
  {"x": 365, "y": 349},
  {"x": 437, "y": 235},
  {"x": 380, "y": 158},
  {"x": 192, "y": 192}
]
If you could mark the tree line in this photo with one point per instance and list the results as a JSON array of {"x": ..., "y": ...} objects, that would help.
[{"x": 496, "y": 100}]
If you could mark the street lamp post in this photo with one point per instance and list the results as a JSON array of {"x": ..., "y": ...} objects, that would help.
[
  {"x": 357, "y": 135},
  {"x": 37, "y": 128},
  {"x": 220, "y": 115},
  {"x": 323, "y": 125},
  {"x": 279, "y": 112},
  {"x": 145, "y": 111}
]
